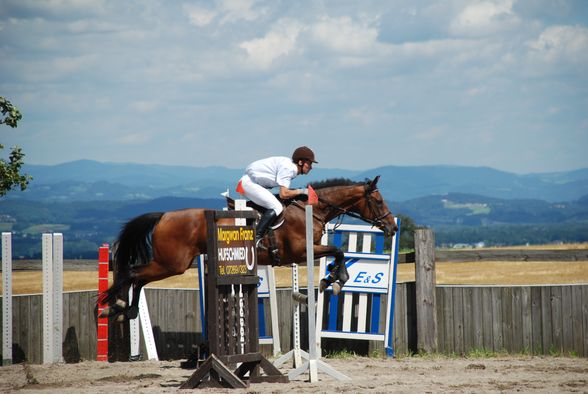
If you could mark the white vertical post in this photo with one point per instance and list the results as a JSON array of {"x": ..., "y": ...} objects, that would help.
[
  {"x": 134, "y": 333},
  {"x": 147, "y": 328},
  {"x": 297, "y": 359},
  {"x": 57, "y": 297},
  {"x": 52, "y": 297},
  {"x": 47, "y": 301},
  {"x": 274, "y": 310},
  {"x": 142, "y": 323},
  {"x": 296, "y": 354},
  {"x": 312, "y": 355},
  {"x": 6, "y": 298},
  {"x": 314, "y": 363}
]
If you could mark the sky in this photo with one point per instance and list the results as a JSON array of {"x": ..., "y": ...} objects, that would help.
[{"x": 502, "y": 84}]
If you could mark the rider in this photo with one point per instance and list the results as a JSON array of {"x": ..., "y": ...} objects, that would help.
[{"x": 264, "y": 174}]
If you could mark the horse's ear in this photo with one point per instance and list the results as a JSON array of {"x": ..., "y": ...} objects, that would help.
[{"x": 374, "y": 184}]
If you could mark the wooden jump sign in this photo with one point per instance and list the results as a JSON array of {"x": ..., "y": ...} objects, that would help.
[{"x": 231, "y": 299}]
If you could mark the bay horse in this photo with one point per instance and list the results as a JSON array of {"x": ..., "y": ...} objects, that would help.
[{"x": 158, "y": 245}]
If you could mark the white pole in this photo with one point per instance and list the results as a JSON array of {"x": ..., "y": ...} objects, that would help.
[
  {"x": 57, "y": 297},
  {"x": 134, "y": 333},
  {"x": 312, "y": 355},
  {"x": 297, "y": 359},
  {"x": 142, "y": 323},
  {"x": 52, "y": 298},
  {"x": 6, "y": 298},
  {"x": 148, "y": 336},
  {"x": 47, "y": 299},
  {"x": 296, "y": 354},
  {"x": 314, "y": 363}
]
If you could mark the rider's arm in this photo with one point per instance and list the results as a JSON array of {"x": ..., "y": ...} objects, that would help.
[{"x": 286, "y": 193}]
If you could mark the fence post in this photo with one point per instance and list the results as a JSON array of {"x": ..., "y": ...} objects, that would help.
[{"x": 426, "y": 301}]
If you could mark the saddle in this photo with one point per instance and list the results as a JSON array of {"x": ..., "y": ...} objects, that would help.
[{"x": 269, "y": 243}]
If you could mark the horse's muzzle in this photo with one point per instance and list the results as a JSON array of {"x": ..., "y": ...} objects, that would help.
[{"x": 390, "y": 229}]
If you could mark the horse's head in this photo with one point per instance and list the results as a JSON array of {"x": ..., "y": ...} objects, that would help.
[
  {"x": 359, "y": 200},
  {"x": 375, "y": 210}
]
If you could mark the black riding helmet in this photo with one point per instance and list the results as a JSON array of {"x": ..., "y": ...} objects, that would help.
[{"x": 303, "y": 153}]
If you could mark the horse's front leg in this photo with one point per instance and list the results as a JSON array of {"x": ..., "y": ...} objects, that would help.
[{"x": 337, "y": 275}]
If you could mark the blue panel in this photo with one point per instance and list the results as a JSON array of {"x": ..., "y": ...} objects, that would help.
[
  {"x": 380, "y": 243},
  {"x": 261, "y": 317},
  {"x": 333, "y": 308},
  {"x": 375, "y": 321},
  {"x": 338, "y": 239}
]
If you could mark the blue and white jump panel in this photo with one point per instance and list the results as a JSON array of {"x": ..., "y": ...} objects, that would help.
[{"x": 356, "y": 313}]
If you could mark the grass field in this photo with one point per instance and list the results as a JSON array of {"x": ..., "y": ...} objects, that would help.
[{"x": 466, "y": 273}]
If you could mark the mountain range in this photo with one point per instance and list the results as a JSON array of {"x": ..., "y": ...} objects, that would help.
[
  {"x": 89, "y": 201},
  {"x": 87, "y": 180}
]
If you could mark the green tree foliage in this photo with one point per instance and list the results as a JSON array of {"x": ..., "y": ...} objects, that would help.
[
  {"x": 407, "y": 228},
  {"x": 10, "y": 176}
]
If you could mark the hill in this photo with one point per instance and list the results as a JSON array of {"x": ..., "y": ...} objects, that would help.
[
  {"x": 456, "y": 217},
  {"x": 90, "y": 180}
]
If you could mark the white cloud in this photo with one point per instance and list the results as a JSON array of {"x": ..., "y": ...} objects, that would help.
[
  {"x": 225, "y": 11},
  {"x": 83, "y": 26},
  {"x": 433, "y": 72},
  {"x": 562, "y": 43},
  {"x": 279, "y": 41},
  {"x": 485, "y": 18},
  {"x": 235, "y": 10},
  {"x": 345, "y": 36},
  {"x": 199, "y": 16}
]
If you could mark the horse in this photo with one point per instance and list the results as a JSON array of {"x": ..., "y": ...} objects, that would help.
[{"x": 158, "y": 245}]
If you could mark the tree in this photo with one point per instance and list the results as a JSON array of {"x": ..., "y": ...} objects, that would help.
[{"x": 10, "y": 175}]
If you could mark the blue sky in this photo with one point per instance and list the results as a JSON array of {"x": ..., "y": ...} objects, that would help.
[{"x": 364, "y": 83}]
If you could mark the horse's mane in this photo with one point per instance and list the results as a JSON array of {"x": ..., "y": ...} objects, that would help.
[{"x": 333, "y": 182}]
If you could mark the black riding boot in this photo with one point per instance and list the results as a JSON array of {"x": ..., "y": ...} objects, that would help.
[{"x": 265, "y": 222}]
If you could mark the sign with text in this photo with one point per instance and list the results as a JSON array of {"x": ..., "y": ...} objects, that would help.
[
  {"x": 236, "y": 250},
  {"x": 367, "y": 274}
]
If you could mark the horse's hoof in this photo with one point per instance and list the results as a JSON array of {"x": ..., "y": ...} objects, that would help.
[
  {"x": 120, "y": 303},
  {"x": 323, "y": 285},
  {"x": 132, "y": 312},
  {"x": 300, "y": 298},
  {"x": 120, "y": 318},
  {"x": 336, "y": 288},
  {"x": 105, "y": 312}
]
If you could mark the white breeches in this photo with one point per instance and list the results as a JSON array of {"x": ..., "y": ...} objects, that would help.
[{"x": 260, "y": 195}]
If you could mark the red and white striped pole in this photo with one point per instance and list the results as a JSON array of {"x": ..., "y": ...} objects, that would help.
[{"x": 102, "y": 334}]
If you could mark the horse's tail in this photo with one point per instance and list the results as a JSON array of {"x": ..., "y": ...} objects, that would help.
[{"x": 133, "y": 248}]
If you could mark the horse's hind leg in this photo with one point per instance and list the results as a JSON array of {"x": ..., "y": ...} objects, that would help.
[
  {"x": 133, "y": 309},
  {"x": 142, "y": 275}
]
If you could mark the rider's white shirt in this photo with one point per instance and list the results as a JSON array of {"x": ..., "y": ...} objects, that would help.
[{"x": 272, "y": 172}]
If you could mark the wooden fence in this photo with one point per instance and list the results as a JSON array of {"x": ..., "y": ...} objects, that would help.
[{"x": 530, "y": 319}]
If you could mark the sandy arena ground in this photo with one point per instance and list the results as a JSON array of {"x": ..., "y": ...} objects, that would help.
[
  {"x": 368, "y": 375},
  {"x": 374, "y": 375}
]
